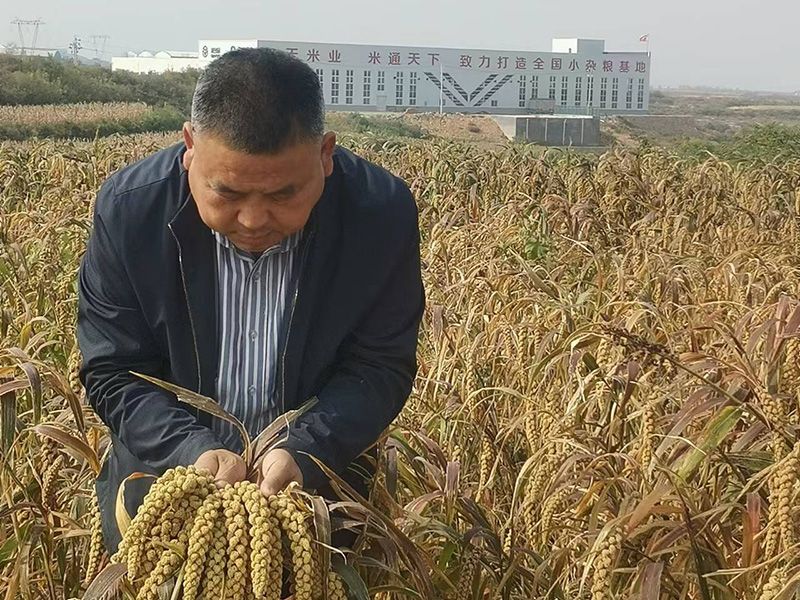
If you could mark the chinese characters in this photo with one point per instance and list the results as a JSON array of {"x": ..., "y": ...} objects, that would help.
[{"x": 466, "y": 60}]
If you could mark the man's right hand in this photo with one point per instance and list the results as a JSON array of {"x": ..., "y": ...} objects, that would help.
[{"x": 226, "y": 467}]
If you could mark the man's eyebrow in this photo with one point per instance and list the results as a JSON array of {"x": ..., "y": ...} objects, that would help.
[
  {"x": 287, "y": 189},
  {"x": 224, "y": 189},
  {"x": 221, "y": 187}
]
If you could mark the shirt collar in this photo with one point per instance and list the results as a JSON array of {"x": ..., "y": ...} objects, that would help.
[{"x": 285, "y": 245}]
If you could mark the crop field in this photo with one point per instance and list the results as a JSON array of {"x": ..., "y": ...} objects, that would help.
[
  {"x": 86, "y": 120},
  {"x": 73, "y": 113},
  {"x": 606, "y": 405}
]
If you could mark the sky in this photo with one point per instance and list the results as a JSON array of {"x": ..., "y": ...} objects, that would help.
[{"x": 720, "y": 43}]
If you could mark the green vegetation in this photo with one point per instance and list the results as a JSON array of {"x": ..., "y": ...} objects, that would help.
[
  {"x": 385, "y": 127},
  {"x": 35, "y": 80},
  {"x": 768, "y": 143}
]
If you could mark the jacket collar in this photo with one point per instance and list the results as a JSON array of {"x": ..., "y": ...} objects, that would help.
[
  {"x": 198, "y": 271},
  {"x": 318, "y": 258}
]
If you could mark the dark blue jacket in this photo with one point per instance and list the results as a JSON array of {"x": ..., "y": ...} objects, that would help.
[{"x": 147, "y": 293}]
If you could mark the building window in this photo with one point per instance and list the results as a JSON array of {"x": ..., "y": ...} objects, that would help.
[
  {"x": 381, "y": 81},
  {"x": 348, "y": 86},
  {"x": 412, "y": 88},
  {"x": 552, "y": 93},
  {"x": 534, "y": 87},
  {"x": 494, "y": 102},
  {"x": 564, "y": 90},
  {"x": 319, "y": 73},
  {"x": 335, "y": 86},
  {"x": 578, "y": 91},
  {"x": 398, "y": 88},
  {"x": 367, "y": 87},
  {"x": 615, "y": 92},
  {"x": 523, "y": 91},
  {"x": 640, "y": 97},
  {"x": 590, "y": 91},
  {"x": 629, "y": 95},
  {"x": 603, "y": 91}
]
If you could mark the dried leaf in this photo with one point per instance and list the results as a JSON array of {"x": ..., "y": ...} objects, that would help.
[
  {"x": 391, "y": 472},
  {"x": 36, "y": 387},
  {"x": 205, "y": 404},
  {"x": 266, "y": 440},
  {"x": 421, "y": 567},
  {"x": 751, "y": 529},
  {"x": 451, "y": 482},
  {"x": 537, "y": 281},
  {"x": 23, "y": 560},
  {"x": 322, "y": 529},
  {"x": 70, "y": 442},
  {"x": 643, "y": 509},
  {"x": 107, "y": 582},
  {"x": 120, "y": 512},
  {"x": 8, "y": 418},
  {"x": 651, "y": 581},
  {"x": 418, "y": 504}
]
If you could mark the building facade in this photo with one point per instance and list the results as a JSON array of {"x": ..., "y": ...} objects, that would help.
[
  {"x": 161, "y": 62},
  {"x": 577, "y": 77}
]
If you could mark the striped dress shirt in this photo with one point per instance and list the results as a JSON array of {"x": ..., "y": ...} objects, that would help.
[{"x": 253, "y": 294}]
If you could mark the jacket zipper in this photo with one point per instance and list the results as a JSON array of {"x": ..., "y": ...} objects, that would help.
[
  {"x": 189, "y": 309},
  {"x": 282, "y": 406}
]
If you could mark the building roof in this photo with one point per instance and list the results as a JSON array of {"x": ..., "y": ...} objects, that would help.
[{"x": 176, "y": 54}]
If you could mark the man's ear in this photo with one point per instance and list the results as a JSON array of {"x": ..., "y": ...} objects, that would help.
[
  {"x": 328, "y": 146},
  {"x": 188, "y": 139}
]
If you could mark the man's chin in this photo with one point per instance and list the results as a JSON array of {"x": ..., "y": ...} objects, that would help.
[
  {"x": 245, "y": 246},
  {"x": 255, "y": 244}
]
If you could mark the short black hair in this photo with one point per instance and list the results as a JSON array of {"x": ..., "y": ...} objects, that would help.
[{"x": 259, "y": 101}]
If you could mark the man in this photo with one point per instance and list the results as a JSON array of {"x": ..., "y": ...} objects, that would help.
[{"x": 256, "y": 263}]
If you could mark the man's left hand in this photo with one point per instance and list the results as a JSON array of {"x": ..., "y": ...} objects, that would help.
[{"x": 278, "y": 470}]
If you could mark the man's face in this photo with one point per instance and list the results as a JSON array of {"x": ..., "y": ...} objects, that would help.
[{"x": 256, "y": 200}]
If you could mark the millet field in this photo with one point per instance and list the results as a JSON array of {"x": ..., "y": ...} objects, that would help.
[{"x": 606, "y": 405}]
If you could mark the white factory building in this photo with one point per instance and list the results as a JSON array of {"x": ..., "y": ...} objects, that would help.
[
  {"x": 577, "y": 77},
  {"x": 160, "y": 62}
]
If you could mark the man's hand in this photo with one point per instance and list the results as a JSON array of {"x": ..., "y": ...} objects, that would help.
[
  {"x": 278, "y": 470},
  {"x": 225, "y": 466}
]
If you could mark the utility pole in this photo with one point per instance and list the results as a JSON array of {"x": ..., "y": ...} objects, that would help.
[
  {"x": 99, "y": 52},
  {"x": 23, "y": 24},
  {"x": 74, "y": 47}
]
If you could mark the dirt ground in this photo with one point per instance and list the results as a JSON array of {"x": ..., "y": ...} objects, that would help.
[
  {"x": 473, "y": 128},
  {"x": 669, "y": 127}
]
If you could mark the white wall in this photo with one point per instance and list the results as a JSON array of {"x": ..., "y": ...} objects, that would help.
[
  {"x": 578, "y": 45},
  {"x": 208, "y": 50},
  {"x": 565, "y": 45},
  {"x": 152, "y": 65}
]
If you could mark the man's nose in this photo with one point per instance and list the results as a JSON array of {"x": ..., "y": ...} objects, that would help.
[{"x": 253, "y": 216}]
